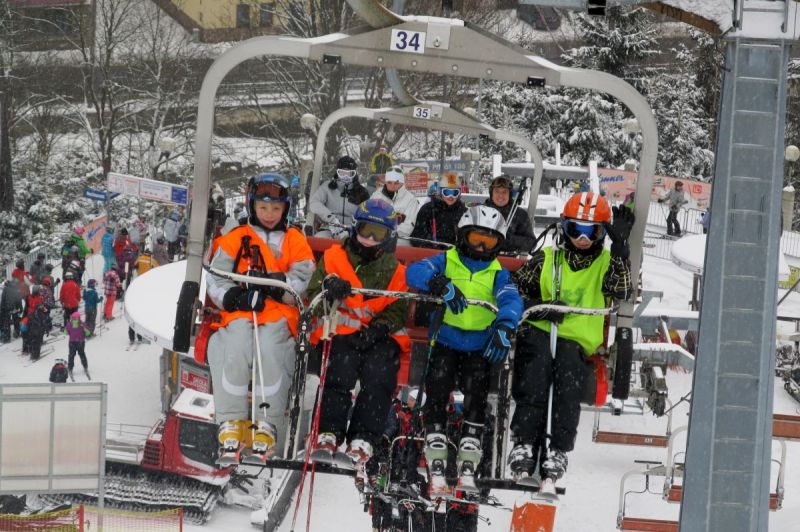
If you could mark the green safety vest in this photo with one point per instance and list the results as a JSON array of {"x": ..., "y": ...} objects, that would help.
[
  {"x": 478, "y": 285},
  {"x": 583, "y": 289}
]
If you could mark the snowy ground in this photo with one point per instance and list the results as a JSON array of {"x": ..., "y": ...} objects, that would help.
[{"x": 594, "y": 473}]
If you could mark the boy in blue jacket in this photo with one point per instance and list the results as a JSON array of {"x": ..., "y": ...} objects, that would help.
[
  {"x": 90, "y": 301},
  {"x": 470, "y": 339}
]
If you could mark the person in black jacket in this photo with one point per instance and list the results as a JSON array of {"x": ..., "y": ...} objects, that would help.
[
  {"x": 519, "y": 235},
  {"x": 10, "y": 310},
  {"x": 437, "y": 220}
]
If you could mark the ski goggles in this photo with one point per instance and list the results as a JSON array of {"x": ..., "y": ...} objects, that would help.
[
  {"x": 269, "y": 190},
  {"x": 488, "y": 241},
  {"x": 376, "y": 232},
  {"x": 588, "y": 230},
  {"x": 450, "y": 192},
  {"x": 343, "y": 173}
]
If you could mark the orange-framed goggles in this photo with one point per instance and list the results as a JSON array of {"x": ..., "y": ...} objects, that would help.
[
  {"x": 269, "y": 190},
  {"x": 477, "y": 238}
]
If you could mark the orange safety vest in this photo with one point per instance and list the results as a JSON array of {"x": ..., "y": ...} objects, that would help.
[
  {"x": 354, "y": 311},
  {"x": 295, "y": 248}
]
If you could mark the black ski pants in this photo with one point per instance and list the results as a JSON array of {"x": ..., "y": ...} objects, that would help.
[
  {"x": 450, "y": 368},
  {"x": 77, "y": 348},
  {"x": 534, "y": 370},
  {"x": 35, "y": 340},
  {"x": 673, "y": 227},
  {"x": 5, "y": 326},
  {"x": 376, "y": 369},
  {"x": 91, "y": 319}
]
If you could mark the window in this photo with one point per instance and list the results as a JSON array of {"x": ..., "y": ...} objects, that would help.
[
  {"x": 243, "y": 16},
  {"x": 265, "y": 15},
  {"x": 198, "y": 441}
]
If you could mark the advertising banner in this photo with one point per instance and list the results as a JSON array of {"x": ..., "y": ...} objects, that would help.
[
  {"x": 619, "y": 183},
  {"x": 95, "y": 231}
]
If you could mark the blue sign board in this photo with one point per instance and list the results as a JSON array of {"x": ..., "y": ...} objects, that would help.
[
  {"x": 98, "y": 195},
  {"x": 180, "y": 195}
]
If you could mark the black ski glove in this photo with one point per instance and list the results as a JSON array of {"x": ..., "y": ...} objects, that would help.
[
  {"x": 441, "y": 286},
  {"x": 238, "y": 298},
  {"x": 274, "y": 292},
  {"x": 335, "y": 288},
  {"x": 368, "y": 336},
  {"x": 619, "y": 230},
  {"x": 546, "y": 314}
]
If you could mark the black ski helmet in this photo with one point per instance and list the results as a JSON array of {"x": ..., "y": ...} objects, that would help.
[
  {"x": 488, "y": 225},
  {"x": 269, "y": 188},
  {"x": 20, "y": 264}
]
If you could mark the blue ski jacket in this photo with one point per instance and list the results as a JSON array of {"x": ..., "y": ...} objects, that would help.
[{"x": 509, "y": 302}]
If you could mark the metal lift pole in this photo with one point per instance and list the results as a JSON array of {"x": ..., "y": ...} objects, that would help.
[{"x": 728, "y": 452}]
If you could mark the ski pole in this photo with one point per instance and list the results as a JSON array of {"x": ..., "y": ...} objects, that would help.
[{"x": 312, "y": 436}]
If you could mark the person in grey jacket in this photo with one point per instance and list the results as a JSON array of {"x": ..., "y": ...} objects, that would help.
[
  {"x": 674, "y": 200},
  {"x": 335, "y": 201}
]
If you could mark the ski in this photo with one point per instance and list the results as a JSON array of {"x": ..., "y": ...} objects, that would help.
[
  {"x": 86, "y": 372},
  {"x": 336, "y": 459},
  {"x": 42, "y": 354},
  {"x": 229, "y": 458},
  {"x": 547, "y": 489},
  {"x": 71, "y": 376},
  {"x": 250, "y": 457}
]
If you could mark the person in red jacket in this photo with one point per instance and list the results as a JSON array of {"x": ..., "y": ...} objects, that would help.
[{"x": 70, "y": 296}]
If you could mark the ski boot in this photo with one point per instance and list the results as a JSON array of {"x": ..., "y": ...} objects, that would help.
[
  {"x": 326, "y": 451},
  {"x": 230, "y": 441},
  {"x": 264, "y": 438},
  {"x": 360, "y": 451},
  {"x": 555, "y": 465},
  {"x": 436, "y": 455},
  {"x": 522, "y": 463},
  {"x": 469, "y": 456}
]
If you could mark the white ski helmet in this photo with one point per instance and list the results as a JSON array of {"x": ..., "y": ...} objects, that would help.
[{"x": 481, "y": 232}]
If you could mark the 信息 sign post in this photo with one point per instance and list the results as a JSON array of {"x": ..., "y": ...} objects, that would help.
[{"x": 149, "y": 189}]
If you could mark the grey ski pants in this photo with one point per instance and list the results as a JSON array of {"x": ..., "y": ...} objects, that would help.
[{"x": 231, "y": 353}]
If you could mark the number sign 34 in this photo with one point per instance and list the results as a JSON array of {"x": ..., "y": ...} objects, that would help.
[{"x": 407, "y": 41}]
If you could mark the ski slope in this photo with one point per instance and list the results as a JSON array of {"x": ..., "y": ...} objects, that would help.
[{"x": 592, "y": 482}]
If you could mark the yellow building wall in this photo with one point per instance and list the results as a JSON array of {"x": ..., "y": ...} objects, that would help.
[{"x": 219, "y": 14}]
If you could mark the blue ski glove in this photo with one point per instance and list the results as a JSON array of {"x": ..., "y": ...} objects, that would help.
[
  {"x": 499, "y": 344},
  {"x": 441, "y": 286}
]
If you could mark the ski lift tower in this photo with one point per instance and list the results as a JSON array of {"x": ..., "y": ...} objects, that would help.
[{"x": 728, "y": 452}]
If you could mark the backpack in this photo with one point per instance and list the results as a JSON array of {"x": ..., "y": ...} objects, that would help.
[{"x": 59, "y": 372}]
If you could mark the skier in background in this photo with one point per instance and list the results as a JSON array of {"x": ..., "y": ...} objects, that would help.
[
  {"x": 335, "y": 201},
  {"x": 172, "y": 233},
  {"x": 107, "y": 249},
  {"x": 37, "y": 268},
  {"x": 519, "y": 235},
  {"x": 403, "y": 202},
  {"x": 580, "y": 273},
  {"x": 38, "y": 325},
  {"x": 77, "y": 333},
  {"x": 161, "y": 251},
  {"x": 438, "y": 219},
  {"x": 111, "y": 287},
  {"x": 90, "y": 302},
  {"x": 675, "y": 200},
  {"x": 370, "y": 337},
  {"x": 470, "y": 340},
  {"x": 70, "y": 296},
  {"x": 265, "y": 247}
]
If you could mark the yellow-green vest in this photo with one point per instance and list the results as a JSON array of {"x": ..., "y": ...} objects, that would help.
[
  {"x": 583, "y": 289},
  {"x": 478, "y": 285}
]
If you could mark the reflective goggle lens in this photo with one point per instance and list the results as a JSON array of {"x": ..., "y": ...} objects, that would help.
[
  {"x": 487, "y": 240},
  {"x": 269, "y": 190},
  {"x": 587, "y": 230},
  {"x": 451, "y": 192},
  {"x": 345, "y": 174},
  {"x": 376, "y": 232}
]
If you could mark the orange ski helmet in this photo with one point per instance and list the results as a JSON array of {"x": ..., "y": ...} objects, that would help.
[{"x": 587, "y": 207}]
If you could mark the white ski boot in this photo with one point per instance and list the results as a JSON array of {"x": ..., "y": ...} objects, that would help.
[
  {"x": 469, "y": 456},
  {"x": 436, "y": 456},
  {"x": 360, "y": 451}
]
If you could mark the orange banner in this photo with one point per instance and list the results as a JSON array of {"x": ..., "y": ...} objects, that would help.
[{"x": 95, "y": 231}]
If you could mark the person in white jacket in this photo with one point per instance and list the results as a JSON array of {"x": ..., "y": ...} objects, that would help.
[{"x": 405, "y": 204}]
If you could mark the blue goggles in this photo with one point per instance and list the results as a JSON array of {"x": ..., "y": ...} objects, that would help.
[
  {"x": 588, "y": 230},
  {"x": 450, "y": 192}
]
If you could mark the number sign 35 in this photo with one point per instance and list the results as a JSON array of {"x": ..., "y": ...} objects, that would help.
[{"x": 407, "y": 41}]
